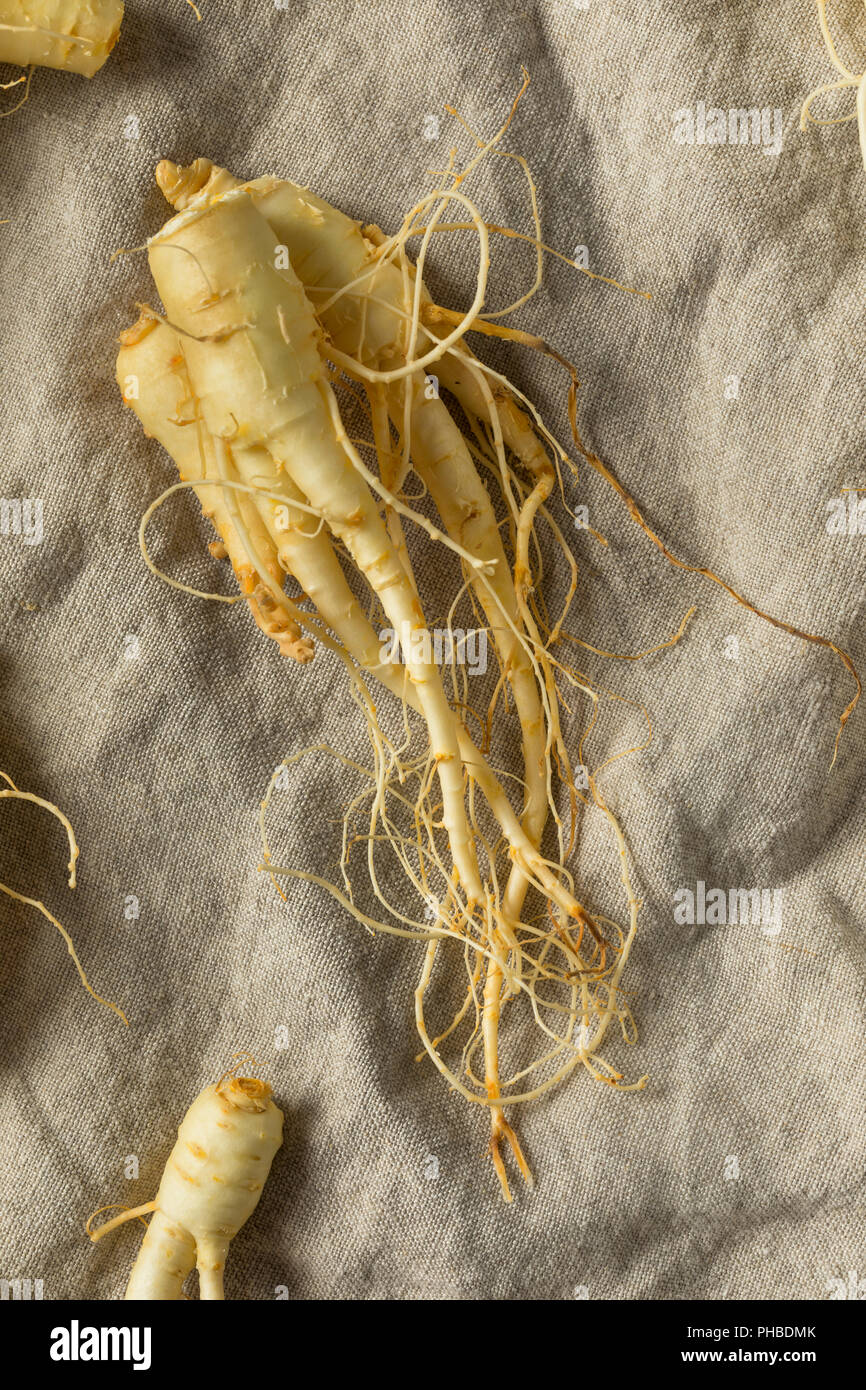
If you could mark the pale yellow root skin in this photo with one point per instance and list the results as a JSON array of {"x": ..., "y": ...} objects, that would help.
[
  {"x": 211, "y": 1185},
  {"x": 72, "y": 35},
  {"x": 253, "y": 355},
  {"x": 328, "y": 251},
  {"x": 310, "y": 558},
  {"x": 154, "y": 383},
  {"x": 250, "y": 343}
]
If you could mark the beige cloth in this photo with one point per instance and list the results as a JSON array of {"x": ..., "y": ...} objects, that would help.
[{"x": 155, "y": 720}]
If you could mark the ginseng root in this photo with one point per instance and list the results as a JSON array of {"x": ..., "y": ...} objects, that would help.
[
  {"x": 274, "y": 301},
  {"x": 211, "y": 1185},
  {"x": 327, "y": 249},
  {"x": 73, "y": 35}
]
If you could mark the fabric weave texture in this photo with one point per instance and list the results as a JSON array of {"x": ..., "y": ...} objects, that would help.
[{"x": 730, "y": 405}]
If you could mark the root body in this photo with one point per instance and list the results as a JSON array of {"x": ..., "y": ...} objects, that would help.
[
  {"x": 73, "y": 35},
  {"x": 211, "y": 1186},
  {"x": 274, "y": 301}
]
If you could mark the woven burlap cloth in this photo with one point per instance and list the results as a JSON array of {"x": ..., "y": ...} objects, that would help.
[{"x": 731, "y": 406}]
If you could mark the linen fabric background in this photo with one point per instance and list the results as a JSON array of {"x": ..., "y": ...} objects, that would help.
[{"x": 731, "y": 405}]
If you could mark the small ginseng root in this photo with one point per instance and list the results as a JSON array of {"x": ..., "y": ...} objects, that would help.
[
  {"x": 210, "y": 1187},
  {"x": 72, "y": 35},
  {"x": 275, "y": 301},
  {"x": 10, "y": 792}
]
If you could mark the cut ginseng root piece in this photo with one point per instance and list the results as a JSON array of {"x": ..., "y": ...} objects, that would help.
[
  {"x": 73, "y": 35},
  {"x": 211, "y": 1185}
]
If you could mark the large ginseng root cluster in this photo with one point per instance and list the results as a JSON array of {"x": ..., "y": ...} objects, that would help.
[{"x": 274, "y": 301}]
